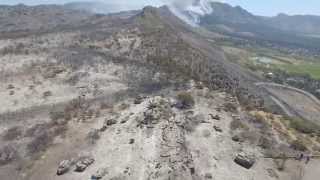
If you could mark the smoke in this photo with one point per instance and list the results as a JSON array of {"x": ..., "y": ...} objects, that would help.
[
  {"x": 180, "y": 4},
  {"x": 189, "y": 11},
  {"x": 186, "y": 4}
]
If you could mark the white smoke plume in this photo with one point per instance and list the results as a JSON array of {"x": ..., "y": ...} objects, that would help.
[{"x": 189, "y": 10}]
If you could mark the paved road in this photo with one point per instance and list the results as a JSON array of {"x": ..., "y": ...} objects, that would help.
[{"x": 293, "y": 101}]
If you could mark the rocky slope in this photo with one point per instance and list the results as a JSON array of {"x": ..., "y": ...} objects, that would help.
[{"x": 131, "y": 97}]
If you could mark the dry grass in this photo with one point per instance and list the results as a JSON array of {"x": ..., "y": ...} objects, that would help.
[
  {"x": 39, "y": 143},
  {"x": 301, "y": 135},
  {"x": 303, "y": 126}
]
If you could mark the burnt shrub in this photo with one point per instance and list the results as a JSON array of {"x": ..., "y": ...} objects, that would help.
[
  {"x": 40, "y": 143},
  {"x": 56, "y": 115},
  {"x": 238, "y": 124},
  {"x": 299, "y": 145},
  {"x": 36, "y": 130},
  {"x": 230, "y": 107},
  {"x": 260, "y": 121},
  {"x": 251, "y": 137},
  {"x": 93, "y": 136},
  {"x": 185, "y": 100},
  {"x": 145, "y": 79},
  {"x": 7, "y": 155},
  {"x": 266, "y": 142}
]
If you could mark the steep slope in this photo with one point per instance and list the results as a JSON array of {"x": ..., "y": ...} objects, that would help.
[{"x": 138, "y": 97}]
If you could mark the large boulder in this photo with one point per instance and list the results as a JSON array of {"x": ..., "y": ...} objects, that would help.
[
  {"x": 138, "y": 100},
  {"x": 245, "y": 160},
  {"x": 83, "y": 163},
  {"x": 110, "y": 122},
  {"x": 63, "y": 167}
]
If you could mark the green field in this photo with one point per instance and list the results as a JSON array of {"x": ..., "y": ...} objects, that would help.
[{"x": 312, "y": 69}]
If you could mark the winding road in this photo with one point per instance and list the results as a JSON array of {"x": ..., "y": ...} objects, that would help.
[{"x": 293, "y": 101}]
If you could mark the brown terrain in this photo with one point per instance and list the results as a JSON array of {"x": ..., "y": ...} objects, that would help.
[{"x": 138, "y": 95}]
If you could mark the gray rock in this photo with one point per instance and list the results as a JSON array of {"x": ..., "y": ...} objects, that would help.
[
  {"x": 245, "y": 160},
  {"x": 218, "y": 129},
  {"x": 216, "y": 117},
  {"x": 138, "y": 100},
  {"x": 237, "y": 138},
  {"x": 63, "y": 167},
  {"x": 208, "y": 176},
  {"x": 103, "y": 128},
  {"x": 131, "y": 141},
  {"x": 83, "y": 163},
  {"x": 111, "y": 122},
  {"x": 10, "y": 86}
]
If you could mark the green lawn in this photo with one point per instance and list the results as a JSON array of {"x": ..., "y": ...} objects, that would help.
[{"x": 312, "y": 69}]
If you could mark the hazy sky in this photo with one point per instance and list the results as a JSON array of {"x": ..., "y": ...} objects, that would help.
[{"x": 260, "y": 7}]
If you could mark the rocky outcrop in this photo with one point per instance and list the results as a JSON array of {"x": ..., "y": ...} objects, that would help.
[
  {"x": 110, "y": 122},
  {"x": 64, "y": 167},
  {"x": 216, "y": 117},
  {"x": 245, "y": 160},
  {"x": 217, "y": 128},
  {"x": 138, "y": 100},
  {"x": 83, "y": 163}
]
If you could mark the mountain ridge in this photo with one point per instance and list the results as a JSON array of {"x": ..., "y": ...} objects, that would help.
[{"x": 308, "y": 24}]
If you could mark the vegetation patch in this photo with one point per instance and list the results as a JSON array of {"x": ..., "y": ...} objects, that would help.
[
  {"x": 40, "y": 143},
  {"x": 310, "y": 69},
  {"x": 238, "y": 124},
  {"x": 185, "y": 100},
  {"x": 299, "y": 145},
  {"x": 303, "y": 126}
]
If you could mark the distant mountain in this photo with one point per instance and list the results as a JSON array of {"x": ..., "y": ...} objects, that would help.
[
  {"x": 305, "y": 24},
  {"x": 225, "y": 14},
  {"x": 98, "y": 7},
  {"x": 22, "y": 17},
  {"x": 294, "y": 31}
]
